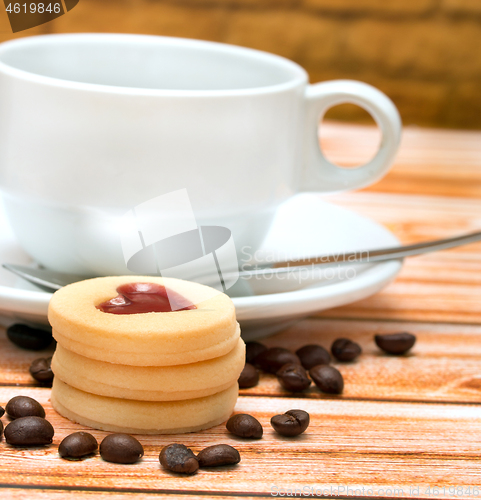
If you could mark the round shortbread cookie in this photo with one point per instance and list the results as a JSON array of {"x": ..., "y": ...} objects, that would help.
[
  {"x": 149, "y": 383},
  {"x": 145, "y": 339},
  {"x": 143, "y": 417},
  {"x": 148, "y": 359}
]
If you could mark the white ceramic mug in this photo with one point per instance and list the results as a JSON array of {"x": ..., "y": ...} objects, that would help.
[{"x": 92, "y": 125}]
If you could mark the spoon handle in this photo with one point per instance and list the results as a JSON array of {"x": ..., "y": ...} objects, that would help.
[
  {"x": 52, "y": 280},
  {"x": 368, "y": 256}
]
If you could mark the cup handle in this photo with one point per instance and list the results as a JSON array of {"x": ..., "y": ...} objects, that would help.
[{"x": 320, "y": 174}]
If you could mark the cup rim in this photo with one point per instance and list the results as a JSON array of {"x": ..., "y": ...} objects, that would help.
[{"x": 297, "y": 79}]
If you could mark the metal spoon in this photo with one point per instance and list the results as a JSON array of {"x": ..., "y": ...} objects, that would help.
[{"x": 52, "y": 280}]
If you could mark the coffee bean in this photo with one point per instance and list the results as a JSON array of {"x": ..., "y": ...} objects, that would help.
[
  {"x": 41, "y": 371},
  {"x": 327, "y": 378},
  {"x": 179, "y": 458},
  {"x": 249, "y": 377},
  {"x": 292, "y": 423},
  {"x": 253, "y": 349},
  {"x": 2, "y": 411},
  {"x": 1, "y": 428},
  {"x": 33, "y": 339},
  {"x": 395, "y": 343},
  {"x": 23, "y": 406},
  {"x": 219, "y": 454},
  {"x": 245, "y": 426},
  {"x": 312, "y": 355},
  {"x": 121, "y": 449},
  {"x": 77, "y": 445},
  {"x": 293, "y": 378},
  {"x": 345, "y": 350},
  {"x": 29, "y": 431},
  {"x": 274, "y": 358}
]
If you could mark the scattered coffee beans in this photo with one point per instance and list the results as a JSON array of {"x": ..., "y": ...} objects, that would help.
[
  {"x": 395, "y": 343},
  {"x": 312, "y": 355},
  {"x": 292, "y": 423},
  {"x": 29, "y": 431},
  {"x": 121, "y": 449},
  {"x": 219, "y": 454},
  {"x": 253, "y": 349},
  {"x": 2, "y": 411},
  {"x": 78, "y": 445},
  {"x": 41, "y": 371},
  {"x": 327, "y": 378},
  {"x": 179, "y": 458},
  {"x": 293, "y": 377},
  {"x": 274, "y": 358},
  {"x": 345, "y": 350},
  {"x": 249, "y": 377},
  {"x": 23, "y": 406},
  {"x": 33, "y": 339},
  {"x": 245, "y": 426}
]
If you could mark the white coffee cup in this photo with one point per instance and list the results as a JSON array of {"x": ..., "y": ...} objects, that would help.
[{"x": 93, "y": 125}]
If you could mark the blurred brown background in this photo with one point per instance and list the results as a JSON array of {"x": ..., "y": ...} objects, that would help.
[{"x": 425, "y": 54}]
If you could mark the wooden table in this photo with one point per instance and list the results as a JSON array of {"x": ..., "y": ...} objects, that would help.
[{"x": 406, "y": 427}]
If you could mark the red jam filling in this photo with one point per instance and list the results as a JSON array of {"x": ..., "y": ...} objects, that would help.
[{"x": 135, "y": 298}]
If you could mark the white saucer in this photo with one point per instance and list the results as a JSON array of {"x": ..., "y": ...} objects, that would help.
[{"x": 305, "y": 225}]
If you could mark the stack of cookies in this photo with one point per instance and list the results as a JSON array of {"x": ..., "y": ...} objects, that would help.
[{"x": 120, "y": 369}]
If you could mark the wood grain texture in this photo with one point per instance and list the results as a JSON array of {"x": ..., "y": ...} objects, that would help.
[
  {"x": 443, "y": 286},
  {"x": 15, "y": 362},
  {"x": 405, "y": 422},
  {"x": 442, "y": 366},
  {"x": 429, "y": 161},
  {"x": 354, "y": 439},
  {"x": 433, "y": 191},
  {"x": 375, "y": 445},
  {"x": 58, "y": 493}
]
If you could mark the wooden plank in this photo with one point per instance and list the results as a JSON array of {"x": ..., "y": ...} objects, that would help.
[
  {"x": 426, "y": 290},
  {"x": 79, "y": 494},
  {"x": 402, "y": 422},
  {"x": 375, "y": 445},
  {"x": 342, "y": 449},
  {"x": 442, "y": 366},
  {"x": 443, "y": 286},
  {"x": 429, "y": 161},
  {"x": 416, "y": 217},
  {"x": 15, "y": 362}
]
